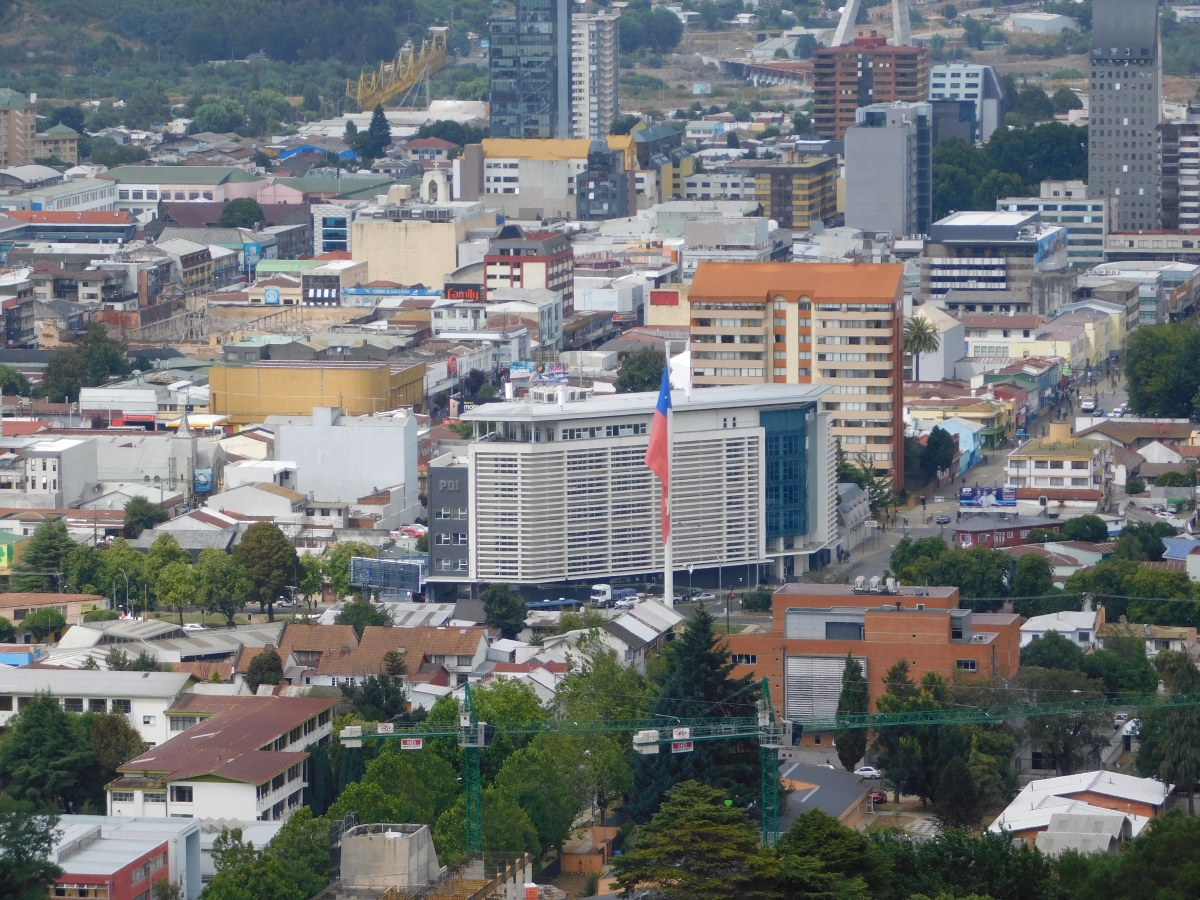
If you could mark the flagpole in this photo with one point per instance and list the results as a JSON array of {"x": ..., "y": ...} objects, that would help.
[{"x": 668, "y": 565}]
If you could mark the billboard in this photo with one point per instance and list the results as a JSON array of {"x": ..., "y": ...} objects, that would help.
[
  {"x": 202, "y": 481},
  {"x": 389, "y": 576},
  {"x": 1049, "y": 245},
  {"x": 664, "y": 298},
  {"x": 987, "y": 497},
  {"x": 271, "y": 297},
  {"x": 463, "y": 292},
  {"x": 523, "y": 370}
]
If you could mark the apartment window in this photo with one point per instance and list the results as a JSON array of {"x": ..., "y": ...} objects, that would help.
[
  {"x": 73, "y": 704},
  {"x": 6, "y": 704},
  {"x": 1079, "y": 464},
  {"x": 122, "y": 706},
  {"x": 460, "y": 538},
  {"x": 122, "y": 796},
  {"x": 182, "y": 723},
  {"x": 461, "y": 565},
  {"x": 966, "y": 665},
  {"x": 155, "y": 797},
  {"x": 181, "y": 793},
  {"x": 443, "y": 513},
  {"x": 460, "y": 513},
  {"x": 444, "y": 564},
  {"x": 148, "y": 720},
  {"x": 1041, "y": 464},
  {"x": 744, "y": 659}
]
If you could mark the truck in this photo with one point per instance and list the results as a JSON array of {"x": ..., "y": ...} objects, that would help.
[
  {"x": 603, "y": 595},
  {"x": 1087, "y": 403}
]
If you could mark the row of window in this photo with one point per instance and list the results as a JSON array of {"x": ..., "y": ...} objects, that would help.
[
  {"x": 70, "y": 704},
  {"x": 445, "y": 538},
  {"x": 1078, "y": 464},
  {"x": 456, "y": 565},
  {"x": 446, "y": 512},
  {"x": 166, "y": 195}
]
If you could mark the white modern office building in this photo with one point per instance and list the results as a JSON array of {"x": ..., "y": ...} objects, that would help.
[
  {"x": 560, "y": 490},
  {"x": 967, "y": 81}
]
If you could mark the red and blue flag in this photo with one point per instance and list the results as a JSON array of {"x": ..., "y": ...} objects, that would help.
[{"x": 657, "y": 450}]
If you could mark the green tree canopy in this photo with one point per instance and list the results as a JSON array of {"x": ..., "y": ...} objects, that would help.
[
  {"x": 141, "y": 514},
  {"x": 242, "y": 212},
  {"x": 13, "y": 382},
  {"x": 1089, "y": 528},
  {"x": 641, "y": 371},
  {"x": 45, "y": 759},
  {"x": 265, "y": 668},
  {"x": 504, "y": 608},
  {"x": 696, "y": 846},
  {"x": 1034, "y": 576},
  {"x": 1162, "y": 369},
  {"x": 88, "y": 363},
  {"x": 360, "y": 613},
  {"x": 269, "y": 560},
  {"x": 220, "y": 116},
  {"x": 222, "y": 583},
  {"x": 506, "y": 828},
  {"x": 855, "y": 698},
  {"x": 821, "y": 857},
  {"x": 43, "y": 558},
  {"x": 27, "y": 840},
  {"x": 337, "y": 564},
  {"x": 958, "y": 804},
  {"x": 44, "y": 622},
  {"x": 1072, "y": 740}
]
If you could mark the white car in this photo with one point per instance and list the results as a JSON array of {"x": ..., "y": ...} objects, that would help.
[
  {"x": 705, "y": 598},
  {"x": 194, "y": 626},
  {"x": 1120, "y": 719},
  {"x": 868, "y": 772}
]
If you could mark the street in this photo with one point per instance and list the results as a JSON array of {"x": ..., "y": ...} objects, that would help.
[{"x": 873, "y": 556}]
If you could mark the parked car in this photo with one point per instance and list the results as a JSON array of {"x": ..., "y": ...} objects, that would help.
[
  {"x": 194, "y": 626},
  {"x": 1120, "y": 719},
  {"x": 869, "y": 772},
  {"x": 879, "y": 796},
  {"x": 943, "y": 519},
  {"x": 705, "y": 597}
]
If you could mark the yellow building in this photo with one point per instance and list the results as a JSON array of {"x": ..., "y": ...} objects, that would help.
[
  {"x": 252, "y": 392},
  {"x": 798, "y": 195},
  {"x": 1061, "y": 461},
  {"x": 59, "y": 142},
  {"x": 12, "y": 548},
  {"x": 420, "y": 244},
  {"x": 669, "y": 306}
]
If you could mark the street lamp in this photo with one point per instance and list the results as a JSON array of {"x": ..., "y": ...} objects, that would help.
[{"x": 123, "y": 572}]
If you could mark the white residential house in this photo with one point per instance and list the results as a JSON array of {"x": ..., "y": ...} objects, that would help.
[
  {"x": 1077, "y": 627},
  {"x": 144, "y": 697},
  {"x": 261, "y": 499},
  {"x": 231, "y": 757}
]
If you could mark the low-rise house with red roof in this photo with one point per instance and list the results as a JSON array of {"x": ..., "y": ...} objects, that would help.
[
  {"x": 428, "y": 149},
  {"x": 230, "y": 757}
]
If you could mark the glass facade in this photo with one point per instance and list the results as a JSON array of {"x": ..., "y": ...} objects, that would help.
[
  {"x": 787, "y": 470},
  {"x": 525, "y": 53}
]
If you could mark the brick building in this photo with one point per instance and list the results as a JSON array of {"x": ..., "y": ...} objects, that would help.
[
  {"x": 534, "y": 259},
  {"x": 814, "y": 626},
  {"x": 866, "y": 72},
  {"x": 1001, "y": 530}
]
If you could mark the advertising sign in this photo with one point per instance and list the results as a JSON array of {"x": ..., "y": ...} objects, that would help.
[
  {"x": 1050, "y": 244},
  {"x": 681, "y": 734},
  {"x": 463, "y": 292},
  {"x": 385, "y": 728},
  {"x": 987, "y": 497},
  {"x": 553, "y": 373},
  {"x": 682, "y": 746},
  {"x": 202, "y": 481},
  {"x": 412, "y": 743},
  {"x": 251, "y": 255},
  {"x": 271, "y": 297},
  {"x": 664, "y": 298}
]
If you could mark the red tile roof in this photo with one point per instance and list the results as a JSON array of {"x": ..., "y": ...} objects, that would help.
[
  {"x": 431, "y": 143},
  {"x": 228, "y": 744}
]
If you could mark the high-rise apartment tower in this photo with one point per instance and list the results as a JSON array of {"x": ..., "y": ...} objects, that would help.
[
  {"x": 530, "y": 61},
  {"x": 594, "y": 101},
  {"x": 1125, "y": 109}
]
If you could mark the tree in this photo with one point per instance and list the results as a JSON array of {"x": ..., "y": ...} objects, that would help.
[
  {"x": 222, "y": 583},
  {"x": 141, "y": 514},
  {"x": 949, "y": 12},
  {"x": 221, "y": 116},
  {"x": 914, "y": 757},
  {"x": 821, "y": 857},
  {"x": 302, "y": 848},
  {"x": 107, "y": 152},
  {"x": 320, "y": 780},
  {"x": 45, "y": 758},
  {"x": 1162, "y": 368},
  {"x": 27, "y": 840},
  {"x": 1134, "y": 486},
  {"x": 1065, "y": 100},
  {"x": 697, "y": 676},
  {"x": 538, "y": 778},
  {"x": 696, "y": 846},
  {"x": 43, "y": 558},
  {"x": 938, "y": 455},
  {"x": 360, "y": 613},
  {"x": 1053, "y": 651},
  {"x": 377, "y": 698},
  {"x": 176, "y": 585},
  {"x": 920, "y": 336},
  {"x": 1072, "y": 740},
  {"x": 732, "y": 141},
  {"x": 1089, "y": 528},
  {"x": 312, "y": 576},
  {"x": 350, "y": 134},
  {"x": 8, "y": 631},
  {"x": 804, "y": 48},
  {"x": 624, "y": 124},
  {"x": 1181, "y": 750},
  {"x": 13, "y": 382},
  {"x": 1143, "y": 541},
  {"x": 265, "y": 668},
  {"x": 996, "y": 185},
  {"x": 506, "y": 828},
  {"x": 43, "y": 623},
  {"x": 504, "y": 608},
  {"x": 851, "y": 743},
  {"x": 88, "y": 363},
  {"x": 312, "y": 98},
  {"x": 242, "y": 212},
  {"x": 1034, "y": 577},
  {"x": 117, "y": 660},
  {"x": 452, "y": 131},
  {"x": 641, "y": 371},
  {"x": 958, "y": 803},
  {"x": 114, "y": 741},
  {"x": 337, "y": 564},
  {"x": 270, "y": 561}
]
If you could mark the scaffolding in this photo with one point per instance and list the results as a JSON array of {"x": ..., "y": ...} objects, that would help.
[{"x": 410, "y": 68}]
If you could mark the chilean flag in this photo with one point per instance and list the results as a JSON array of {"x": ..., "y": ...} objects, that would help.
[{"x": 657, "y": 450}]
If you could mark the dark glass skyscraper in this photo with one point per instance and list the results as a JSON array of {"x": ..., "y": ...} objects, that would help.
[
  {"x": 1124, "y": 111},
  {"x": 530, "y": 59}
]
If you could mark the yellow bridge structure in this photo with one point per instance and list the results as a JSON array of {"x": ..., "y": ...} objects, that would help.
[{"x": 410, "y": 68}]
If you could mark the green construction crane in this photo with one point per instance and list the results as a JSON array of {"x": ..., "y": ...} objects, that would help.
[{"x": 681, "y": 735}]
